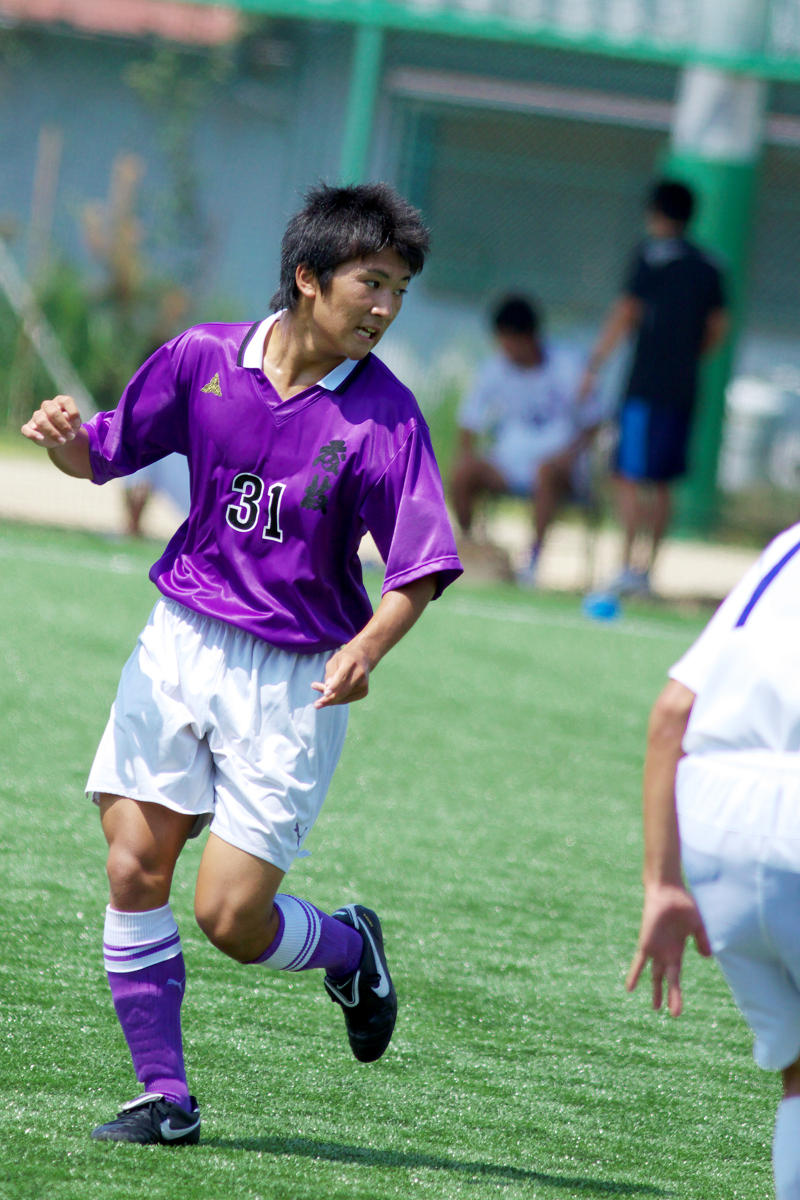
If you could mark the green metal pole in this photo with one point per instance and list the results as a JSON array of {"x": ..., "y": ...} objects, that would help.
[
  {"x": 716, "y": 147},
  {"x": 726, "y": 192},
  {"x": 362, "y": 102}
]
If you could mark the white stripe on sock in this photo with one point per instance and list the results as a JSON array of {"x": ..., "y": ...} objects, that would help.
[
  {"x": 301, "y": 933},
  {"x": 132, "y": 941},
  {"x": 134, "y": 928}
]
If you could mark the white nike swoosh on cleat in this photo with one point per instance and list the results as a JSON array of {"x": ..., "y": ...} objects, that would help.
[
  {"x": 383, "y": 988},
  {"x": 171, "y": 1135}
]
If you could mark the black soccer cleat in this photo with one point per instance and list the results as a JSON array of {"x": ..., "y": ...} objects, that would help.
[
  {"x": 367, "y": 996},
  {"x": 151, "y": 1119}
]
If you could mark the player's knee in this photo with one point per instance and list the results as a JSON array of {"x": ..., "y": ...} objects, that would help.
[
  {"x": 460, "y": 485},
  {"x": 135, "y": 883},
  {"x": 468, "y": 474},
  {"x": 226, "y": 927},
  {"x": 208, "y": 920}
]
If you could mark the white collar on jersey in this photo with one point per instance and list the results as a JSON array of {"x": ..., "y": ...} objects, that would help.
[{"x": 254, "y": 355}]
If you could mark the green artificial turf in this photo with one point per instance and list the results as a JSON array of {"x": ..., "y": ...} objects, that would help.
[{"x": 487, "y": 805}]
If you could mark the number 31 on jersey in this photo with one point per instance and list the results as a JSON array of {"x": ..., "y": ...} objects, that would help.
[{"x": 245, "y": 514}]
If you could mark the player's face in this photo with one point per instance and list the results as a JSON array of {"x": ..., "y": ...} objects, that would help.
[
  {"x": 363, "y": 298},
  {"x": 522, "y": 349}
]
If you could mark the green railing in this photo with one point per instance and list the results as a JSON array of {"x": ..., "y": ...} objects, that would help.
[{"x": 755, "y": 37}]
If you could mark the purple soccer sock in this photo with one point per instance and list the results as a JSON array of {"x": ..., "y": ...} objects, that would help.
[
  {"x": 144, "y": 963},
  {"x": 308, "y": 937}
]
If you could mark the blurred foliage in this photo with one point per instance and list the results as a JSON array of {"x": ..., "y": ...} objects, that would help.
[
  {"x": 755, "y": 514},
  {"x": 441, "y": 414},
  {"x": 13, "y": 51},
  {"x": 108, "y": 326},
  {"x": 105, "y": 342},
  {"x": 174, "y": 85}
]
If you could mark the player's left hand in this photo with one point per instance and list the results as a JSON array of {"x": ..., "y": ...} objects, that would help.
[
  {"x": 670, "y": 916},
  {"x": 346, "y": 678}
]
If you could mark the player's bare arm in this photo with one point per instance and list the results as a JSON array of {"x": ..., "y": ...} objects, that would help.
[
  {"x": 564, "y": 460},
  {"x": 669, "y": 915},
  {"x": 57, "y": 428},
  {"x": 622, "y": 321},
  {"x": 348, "y": 670},
  {"x": 716, "y": 328}
]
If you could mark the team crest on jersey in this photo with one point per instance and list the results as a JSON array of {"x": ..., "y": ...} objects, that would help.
[
  {"x": 330, "y": 458},
  {"x": 213, "y": 386}
]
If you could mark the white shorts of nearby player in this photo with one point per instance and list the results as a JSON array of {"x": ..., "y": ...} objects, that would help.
[
  {"x": 213, "y": 721},
  {"x": 739, "y": 818},
  {"x": 169, "y": 476},
  {"x": 520, "y": 450}
]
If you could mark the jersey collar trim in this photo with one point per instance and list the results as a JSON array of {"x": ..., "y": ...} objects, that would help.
[{"x": 251, "y": 354}]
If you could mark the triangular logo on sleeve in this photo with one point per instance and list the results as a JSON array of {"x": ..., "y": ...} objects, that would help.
[{"x": 213, "y": 386}]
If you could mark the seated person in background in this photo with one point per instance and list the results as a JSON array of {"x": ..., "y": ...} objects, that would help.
[
  {"x": 168, "y": 476},
  {"x": 522, "y": 429}
]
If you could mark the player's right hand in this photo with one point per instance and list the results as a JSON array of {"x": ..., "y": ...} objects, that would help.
[
  {"x": 669, "y": 917},
  {"x": 54, "y": 424}
]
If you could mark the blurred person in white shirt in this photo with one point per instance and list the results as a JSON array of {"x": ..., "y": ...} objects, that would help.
[{"x": 522, "y": 428}]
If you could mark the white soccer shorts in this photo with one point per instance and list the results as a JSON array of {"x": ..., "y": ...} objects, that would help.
[
  {"x": 519, "y": 458},
  {"x": 739, "y": 818},
  {"x": 211, "y": 721},
  {"x": 520, "y": 449}
]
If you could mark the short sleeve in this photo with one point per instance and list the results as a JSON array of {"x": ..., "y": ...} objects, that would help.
[
  {"x": 635, "y": 281},
  {"x": 406, "y": 514},
  {"x": 148, "y": 423},
  {"x": 717, "y": 297},
  {"x": 693, "y": 668}
]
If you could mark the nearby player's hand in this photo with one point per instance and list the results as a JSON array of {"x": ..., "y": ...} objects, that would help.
[
  {"x": 346, "y": 678},
  {"x": 586, "y": 385},
  {"x": 54, "y": 424},
  {"x": 669, "y": 917}
]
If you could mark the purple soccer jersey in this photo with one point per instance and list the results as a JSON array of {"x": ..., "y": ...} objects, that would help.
[{"x": 281, "y": 491}]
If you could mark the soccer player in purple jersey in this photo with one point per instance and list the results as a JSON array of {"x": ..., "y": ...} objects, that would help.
[{"x": 232, "y": 709}]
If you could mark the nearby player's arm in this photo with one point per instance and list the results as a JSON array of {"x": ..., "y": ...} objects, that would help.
[
  {"x": 347, "y": 671},
  {"x": 716, "y": 328},
  {"x": 57, "y": 428},
  {"x": 669, "y": 915},
  {"x": 622, "y": 321}
]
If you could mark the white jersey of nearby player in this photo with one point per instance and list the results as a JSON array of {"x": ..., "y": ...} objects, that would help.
[
  {"x": 737, "y": 793},
  {"x": 745, "y": 666}
]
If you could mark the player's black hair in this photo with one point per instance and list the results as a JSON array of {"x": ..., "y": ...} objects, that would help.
[
  {"x": 341, "y": 223},
  {"x": 672, "y": 200},
  {"x": 516, "y": 314}
]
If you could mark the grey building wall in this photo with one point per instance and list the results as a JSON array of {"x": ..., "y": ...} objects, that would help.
[
  {"x": 259, "y": 138},
  {"x": 537, "y": 187}
]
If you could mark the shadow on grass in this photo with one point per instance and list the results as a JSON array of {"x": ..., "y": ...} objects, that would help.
[{"x": 368, "y": 1157}]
